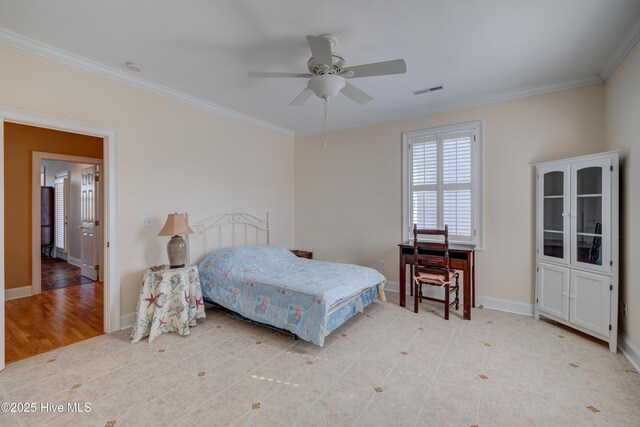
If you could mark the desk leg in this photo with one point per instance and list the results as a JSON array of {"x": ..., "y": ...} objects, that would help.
[
  {"x": 467, "y": 291},
  {"x": 473, "y": 278},
  {"x": 402, "y": 284}
]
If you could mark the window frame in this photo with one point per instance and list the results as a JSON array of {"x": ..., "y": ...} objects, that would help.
[{"x": 476, "y": 180}]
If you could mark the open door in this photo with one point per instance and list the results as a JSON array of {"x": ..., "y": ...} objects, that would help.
[{"x": 88, "y": 210}]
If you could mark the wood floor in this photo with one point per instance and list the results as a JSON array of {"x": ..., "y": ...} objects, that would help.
[
  {"x": 52, "y": 319},
  {"x": 58, "y": 273}
]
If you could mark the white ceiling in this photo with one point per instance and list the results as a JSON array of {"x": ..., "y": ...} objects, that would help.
[{"x": 480, "y": 50}]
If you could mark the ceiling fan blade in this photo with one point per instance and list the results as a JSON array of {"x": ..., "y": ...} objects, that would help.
[
  {"x": 268, "y": 74},
  {"x": 397, "y": 66},
  {"x": 355, "y": 94},
  {"x": 320, "y": 49},
  {"x": 302, "y": 97}
]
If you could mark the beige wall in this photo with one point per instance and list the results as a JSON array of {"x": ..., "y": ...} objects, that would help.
[
  {"x": 622, "y": 112},
  {"x": 171, "y": 156},
  {"x": 349, "y": 195},
  {"x": 20, "y": 142}
]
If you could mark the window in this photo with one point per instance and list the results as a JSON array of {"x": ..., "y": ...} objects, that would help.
[
  {"x": 61, "y": 191},
  {"x": 442, "y": 181}
]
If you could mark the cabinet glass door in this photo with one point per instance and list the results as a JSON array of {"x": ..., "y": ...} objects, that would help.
[
  {"x": 590, "y": 214},
  {"x": 553, "y": 238}
]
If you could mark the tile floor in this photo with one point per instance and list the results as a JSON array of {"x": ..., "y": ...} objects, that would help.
[{"x": 388, "y": 367}]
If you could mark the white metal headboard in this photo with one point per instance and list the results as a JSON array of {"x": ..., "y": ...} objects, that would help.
[{"x": 224, "y": 230}]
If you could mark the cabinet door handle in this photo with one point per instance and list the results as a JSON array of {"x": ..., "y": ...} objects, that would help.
[
  {"x": 564, "y": 294},
  {"x": 572, "y": 296}
]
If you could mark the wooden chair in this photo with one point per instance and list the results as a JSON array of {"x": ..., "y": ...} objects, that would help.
[{"x": 433, "y": 269}]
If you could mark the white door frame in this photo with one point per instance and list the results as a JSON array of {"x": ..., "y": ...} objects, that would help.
[
  {"x": 36, "y": 223},
  {"x": 110, "y": 188}
]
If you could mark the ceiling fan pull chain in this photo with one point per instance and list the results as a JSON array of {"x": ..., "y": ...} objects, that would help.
[{"x": 326, "y": 116}]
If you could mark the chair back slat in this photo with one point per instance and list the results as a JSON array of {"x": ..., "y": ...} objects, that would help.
[
  {"x": 430, "y": 231},
  {"x": 432, "y": 260},
  {"x": 433, "y": 247}
]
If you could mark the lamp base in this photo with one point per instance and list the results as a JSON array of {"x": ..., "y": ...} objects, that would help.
[{"x": 177, "y": 251}]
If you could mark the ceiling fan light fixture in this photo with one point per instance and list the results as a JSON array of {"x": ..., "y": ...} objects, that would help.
[
  {"x": 327, "y": 75},
  {"x": 326, "y": 86}
]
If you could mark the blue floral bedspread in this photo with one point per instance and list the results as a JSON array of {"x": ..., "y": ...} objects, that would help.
[{"x": 271, "y": 285}]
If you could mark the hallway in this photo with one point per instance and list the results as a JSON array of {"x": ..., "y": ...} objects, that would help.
[{"x": 58, "y": 273}]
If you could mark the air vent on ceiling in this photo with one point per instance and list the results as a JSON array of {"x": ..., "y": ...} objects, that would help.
[{"x": 431, "y": 89}]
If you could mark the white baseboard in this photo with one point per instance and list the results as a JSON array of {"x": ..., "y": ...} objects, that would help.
[
  {"x": 75, "y": 261},
  {"x": 498, "y": 304},
  {"x": 13, "y": 293},
  {"x": 629, "y": 350},
  {"x": 508, "y": 306},
  {"x": 127, "y": 321}
]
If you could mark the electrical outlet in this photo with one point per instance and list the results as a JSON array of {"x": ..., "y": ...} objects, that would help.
[
  {"x": 624, "y": 309},
  {"x": 146, "y": 221},
  {"x": 383, "y": 264}
]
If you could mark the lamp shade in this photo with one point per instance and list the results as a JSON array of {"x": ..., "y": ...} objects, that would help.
[{"x": 176, "y": 225}]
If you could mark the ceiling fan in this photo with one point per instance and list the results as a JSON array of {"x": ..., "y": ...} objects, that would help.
[{"x": 327, "y": 72}]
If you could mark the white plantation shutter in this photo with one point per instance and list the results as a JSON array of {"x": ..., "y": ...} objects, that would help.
[
  {"x": 60, "y": 186},
  {"x": 456, "y": 184},
  {"x": 424, "y": 173},
  {"x": 441, "y": 181}
]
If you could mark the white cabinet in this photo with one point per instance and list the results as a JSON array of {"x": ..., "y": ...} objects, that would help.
[
  {"x": 553, "y": 287},
  {"x": 577, "y": 243},
  {"x": 589, "y": 301}
]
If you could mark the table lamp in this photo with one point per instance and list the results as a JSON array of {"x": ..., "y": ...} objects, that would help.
[{"x": 176, "y": 226}]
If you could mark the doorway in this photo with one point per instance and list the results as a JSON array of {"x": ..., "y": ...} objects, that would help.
[
  {"x": 66, "y": 302},
  {"x": 108, "y": 292},
  {"x": 69, "y": 220}
]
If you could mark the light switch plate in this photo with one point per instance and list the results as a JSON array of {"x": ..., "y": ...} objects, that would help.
[{"x": 146, "y": 221}]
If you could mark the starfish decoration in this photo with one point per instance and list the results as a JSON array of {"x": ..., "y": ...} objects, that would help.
[
  {"x": 151, "y": 300},
  {"x": 199, "y": 302}
]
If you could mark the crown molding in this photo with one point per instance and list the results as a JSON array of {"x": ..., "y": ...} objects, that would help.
[
  {"x": 18, "y": 41},
  {"x": 33, "y": 46},
  {"x": 631, "y": 38},
  {"x": 454, "y": 105}
]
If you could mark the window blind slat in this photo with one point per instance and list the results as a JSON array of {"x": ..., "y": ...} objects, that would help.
[
  {"x": 456, "y": 158},
  {"x": 424, "y": 162},
  {"x": 425, "y": 211},
  {"x": 457, "y": 211}
]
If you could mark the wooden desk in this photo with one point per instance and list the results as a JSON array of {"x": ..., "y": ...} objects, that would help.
[{"x": 460, "y": 258}]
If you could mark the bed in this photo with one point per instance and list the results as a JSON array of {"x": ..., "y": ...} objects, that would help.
[{"x": 241, "y": 271}]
